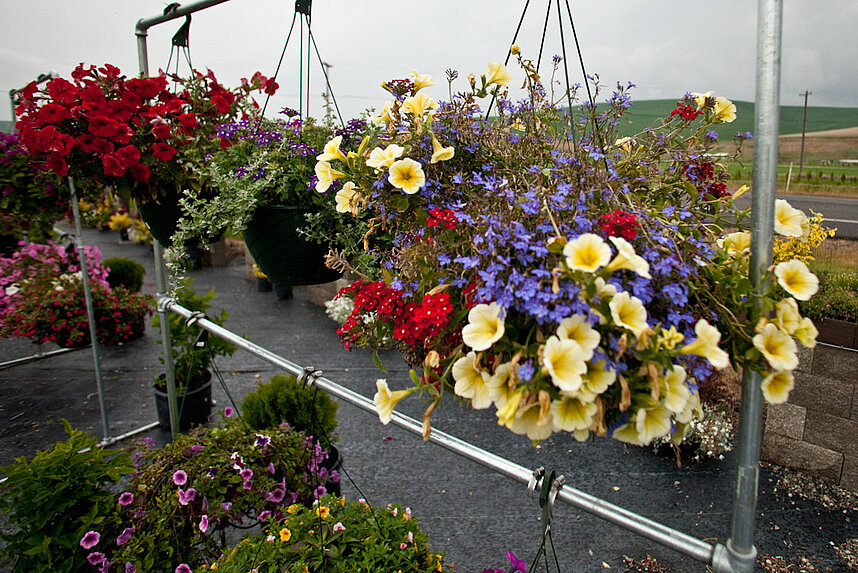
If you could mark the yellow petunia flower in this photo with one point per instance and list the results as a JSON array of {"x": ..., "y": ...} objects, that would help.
[
  {"x": 628, "y": 434},
  {"x": 348, "y": 199},
  {"x": 565, "y": 362},
  {"x": 285, "y": 535},
  {"x": 624, "y": 143},
  {"x": 421, "y": 80},
  {"x": 724, "y": 110},
  {"x": 571, "y": 414},
  {"x": 628, "y": 312},
  {"x": 385, "y": 400},
  {"x": 332, "y": 150},
  {"x": 788, "y": 219},
  {"x": 787, "y": 317},
  {"x": 706, "y": 345},
  {"x": 441, "y": 153},
  {"x": 472, "y": 383},
  {"x": 534, "y": 421},
  {"x": 776, "y": 387},
  {"x": 737, "y": 243},
  {"x": 506, "y": 413},
  {"x": 778, "y": 348},
  {"x": 806, "y": 333},
  {"x": 652, "y": 423},
  {"x": 795, "y": 278},
  {"x": 498, "y": 385},
  {"x": 417, "y": 105},
  {"x": 326, "y": 175},
  {"x": 577, "y": 328},
  {"x": 382, "y": 159},
  {"x": 627, "y": 258},
  {"x": 322, "y": 511},
  {"x": 385, "y": 116},
  {"x": 587, "y": 252},
  {"x": 674, "y": 389},
  {"x": 498, "y": 74},
  {"x": 407, "y": 174},
  {"x": 485, "y": 326},
  {"x": 596, "y": 380}
]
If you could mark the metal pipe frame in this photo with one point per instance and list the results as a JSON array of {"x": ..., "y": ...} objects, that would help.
[{"x": 714, "y": 555}]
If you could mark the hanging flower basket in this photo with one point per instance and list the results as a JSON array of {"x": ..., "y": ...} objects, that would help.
[
  {"x": 161, "y": 218},
  {"x": 283, "y": 255}
]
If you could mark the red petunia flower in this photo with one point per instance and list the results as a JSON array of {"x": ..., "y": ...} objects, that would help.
[
  {"x": 128, "y": 156},
  {"x": 51, "y": 113},
  {"x": 112, "y": 165},
  {"x": 164, "y": 151},
  {"x": 58, "y": 165},
  {"x": 189, "y": 122},
  {"x": 102, "y": 126},
  {"x": 140, "y": 172},
  {"x": 161, "y": 131},
  {"x": 146, "y": 88},
  {"x": 62, "y": 90},
  {"x": 96, "y": 145},
  {"x": 271, "y": 86}
]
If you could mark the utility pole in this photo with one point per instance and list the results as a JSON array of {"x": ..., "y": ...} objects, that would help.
[{"x": 803, "y": 129}]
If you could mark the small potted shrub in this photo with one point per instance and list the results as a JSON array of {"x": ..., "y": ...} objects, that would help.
[
  {"x": 337, "y": 536},
  {"x": 122, "y": 271},
  {"x": 193, "y": 352},
  {"x": 53, "y": 500},
  {"x": 184, "y": 498}
]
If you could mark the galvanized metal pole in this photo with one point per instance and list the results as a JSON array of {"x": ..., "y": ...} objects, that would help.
[
  {"x": 90, "y": 314},
  {"x": 740, "y": 546},
  {"x": 141, "y": 31}
]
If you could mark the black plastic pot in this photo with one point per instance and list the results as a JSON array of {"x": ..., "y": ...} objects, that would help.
[
  {"x": 195, "y": 407},
  {"x": 281, "y": 253}
]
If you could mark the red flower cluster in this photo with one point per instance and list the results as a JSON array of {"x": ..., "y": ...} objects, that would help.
[
  {"x": 444, "y": 217},
  {"x": 618, "y": 223},
  {"x": 412, "y": 323},
  {"x": 423, "y": 320},
  {"x": 686, "y": 111},
  {"x": 104, "y": 124},
  {"x": 702, "y": 175}
]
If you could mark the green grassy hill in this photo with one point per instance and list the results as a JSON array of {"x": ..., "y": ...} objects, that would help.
[{"x": 647, "y": 113}]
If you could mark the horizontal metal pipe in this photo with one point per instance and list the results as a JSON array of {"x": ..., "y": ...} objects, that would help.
[
  {"x": 143, "y": 24},
  {"x": 681, "y": 542},
  {"x": 126, "y": 435},
  {"x": 39, "y": 356}
]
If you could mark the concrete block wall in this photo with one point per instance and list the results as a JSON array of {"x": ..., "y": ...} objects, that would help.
[{"x": 816, "y": 431}]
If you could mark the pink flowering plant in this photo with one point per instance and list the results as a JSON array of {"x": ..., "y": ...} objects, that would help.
[
  {"x": 41, "y": 298},
  {"x": 336, "y": 536},
  {"x": 184, "y": 497},
  {"x": 537, "y": 264}
]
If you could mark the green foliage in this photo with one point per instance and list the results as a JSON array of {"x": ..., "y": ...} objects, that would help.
[
  {"x": 837, "y": 297},
  {"x": 32, "y": 199},
  {"x": 193, "y": 350},
  {"x": 285, "y": 399},
  {"x": 125, "y": 272},
  {"x": 190, "y": 492},
  {"x": 53, "y": 500},
  {"x": 337, "y": 537}
]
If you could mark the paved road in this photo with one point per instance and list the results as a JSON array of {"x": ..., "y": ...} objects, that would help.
[{"x": 839, "y": 212}]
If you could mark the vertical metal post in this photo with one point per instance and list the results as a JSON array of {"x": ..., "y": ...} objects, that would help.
[
  {"x": 167, "y": 348},
  {"x": 740, "y": 546},
  {"x": 90, "y": 314},
  {"x": 803, "y": 132}
]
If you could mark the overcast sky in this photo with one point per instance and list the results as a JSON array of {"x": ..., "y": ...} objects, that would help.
[{"x": 666, "y": 47}]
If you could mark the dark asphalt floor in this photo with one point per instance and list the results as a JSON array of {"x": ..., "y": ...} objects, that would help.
[{"x": 472, "y": 513}]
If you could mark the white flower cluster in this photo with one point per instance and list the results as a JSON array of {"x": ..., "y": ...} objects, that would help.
[{"x": 339, "y": 309}]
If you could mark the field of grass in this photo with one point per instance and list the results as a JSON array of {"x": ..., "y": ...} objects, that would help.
[{"x": 647, "y": 113}]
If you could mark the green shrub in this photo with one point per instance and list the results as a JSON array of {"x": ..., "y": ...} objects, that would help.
[
  {"x": 284, "y": 399},
  {"x": 336, "y": 536},
  {"x": 54, "y": 500},
  {"x": 123, "y": 271},
  {"x": 837, "y": 297}
]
